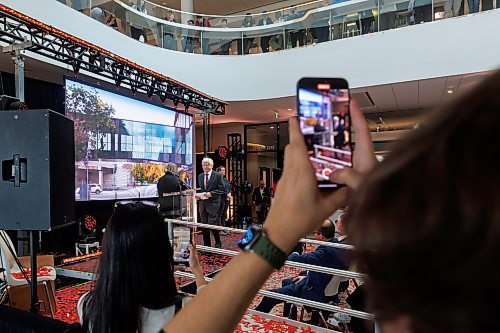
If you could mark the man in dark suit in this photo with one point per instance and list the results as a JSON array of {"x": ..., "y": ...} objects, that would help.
[
  {"x": 264, "y": 41},
  {"x": 312, "y": 286},
  {"x": 224, "y": 199},
  {"x": 168, "y": 185},
  {"x": 261, "y": 198},
  {"x": 212, "y": 188}
]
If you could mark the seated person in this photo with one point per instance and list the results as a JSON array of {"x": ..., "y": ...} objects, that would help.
[
  {"x": 169, "y": 183},
  {"x": 135, "y": 290},
  {"x": 312, "y": 286}
]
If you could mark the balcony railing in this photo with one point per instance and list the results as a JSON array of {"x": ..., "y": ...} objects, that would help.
[{"x": 314, "y": 22}]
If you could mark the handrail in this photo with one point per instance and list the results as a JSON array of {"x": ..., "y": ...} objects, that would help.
[
  {"x": 240, "y": 29},
  {"x": 233, "y": 15},
  {"x": 298, "y": 300},
  {"x": 242, "y": 231},
  {"x": 307, "y": 267}
]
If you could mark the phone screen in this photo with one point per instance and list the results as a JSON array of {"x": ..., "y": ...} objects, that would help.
[
  {"x": 181, "y": 238},
  {"x": 323, "y": 111}
]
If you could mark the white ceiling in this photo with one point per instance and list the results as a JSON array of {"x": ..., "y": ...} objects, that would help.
[
  {"x": 395, "y": 106},
  {"x": 399, "y": 105}
]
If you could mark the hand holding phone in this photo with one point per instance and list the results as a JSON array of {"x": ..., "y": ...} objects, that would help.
[{"x": 324, "y": 118}]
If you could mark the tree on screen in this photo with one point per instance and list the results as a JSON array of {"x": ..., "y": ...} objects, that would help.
[{"x": 93, "y": 118}]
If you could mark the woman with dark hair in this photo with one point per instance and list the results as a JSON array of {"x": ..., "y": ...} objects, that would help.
[
  {"x": 135, "y": 290},
  {"x": 425, "y": 224}
]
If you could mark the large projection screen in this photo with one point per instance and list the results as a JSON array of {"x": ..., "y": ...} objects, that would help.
[{"x": 122, "y": 144}]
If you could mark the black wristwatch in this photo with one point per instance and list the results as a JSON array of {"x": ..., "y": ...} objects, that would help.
[{"x": 263, "y": 247}]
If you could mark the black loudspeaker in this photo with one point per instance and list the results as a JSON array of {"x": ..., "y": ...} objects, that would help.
[{"x": 37, "y": 153}]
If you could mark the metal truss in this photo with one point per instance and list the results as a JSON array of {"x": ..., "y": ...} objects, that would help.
[{"x": 55, "y": 44}]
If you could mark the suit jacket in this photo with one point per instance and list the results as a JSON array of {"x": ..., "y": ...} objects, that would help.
[
  {"x": 216, "y": 188},
  {"x": 258, "y": 199},
  {"x": 314, "y": 284},
  {"x": 170, "y": 183},
  {"x": 227, "y": 186}
]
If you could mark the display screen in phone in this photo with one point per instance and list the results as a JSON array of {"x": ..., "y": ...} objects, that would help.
[
  {"x": 180, "y": 243},
  {"x": 323, "y": 112}
]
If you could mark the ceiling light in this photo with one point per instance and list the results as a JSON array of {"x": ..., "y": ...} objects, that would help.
[
  {"x": 289, "y": 109},
  {"x": 272, "y": 127},
  {"x": 450, "y": 91}
]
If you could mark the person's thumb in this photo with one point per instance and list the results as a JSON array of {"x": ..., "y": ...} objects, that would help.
[{"x": 347, "y": 176}]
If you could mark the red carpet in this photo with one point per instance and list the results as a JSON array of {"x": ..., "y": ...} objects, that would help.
[{"x": 67, "y": 297}]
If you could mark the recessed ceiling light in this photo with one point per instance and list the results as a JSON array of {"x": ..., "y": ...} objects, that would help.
[
  {"x": 450, "y": 91},
  {"x": 272, "y": 127},
  {"x": 289, "y": 109}
]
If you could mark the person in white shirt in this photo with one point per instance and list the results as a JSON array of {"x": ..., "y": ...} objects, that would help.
[{"x": 135, "y": 290}]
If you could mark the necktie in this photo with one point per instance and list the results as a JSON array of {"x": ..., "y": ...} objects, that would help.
[{"x": 206, "y": 180}]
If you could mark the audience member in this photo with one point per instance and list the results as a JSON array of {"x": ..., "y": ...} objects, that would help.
[
  {"x": 135, "y": 289},
  {"x": 322, "y": 25},
  {"x": 451, "y": 8},
  {"x": 169, "y": 41},
  {"x": 261, "y": 198},
  {"x": 312, "y": 286},
  {"x": 188, "y": 42},
  {"x": 276, "y": 41},
  {"x": 247, "y": 22},
  {"x": 169, "y": 184},
  {"x": 224, "y": 199},
  {"x": 137, "y": 30},
  {"x": 297, "y": 35},
  {"x": 112, "y": 22},
  {"x": 203, "y": 22},
  {"x": 264, "y": 41},
  {"x": 212, "y": 188},
  {"x": 98, "y": 14},
  {"x": 473, "y": 6},
  {"x": 422, "y": 11},
  {"x": 226, "y": 42}
]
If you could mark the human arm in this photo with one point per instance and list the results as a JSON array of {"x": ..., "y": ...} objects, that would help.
[
  {"x": 194, "y": 264},
  {"x": 292, "y": 216},
  {"x": 319, "y": 257}
]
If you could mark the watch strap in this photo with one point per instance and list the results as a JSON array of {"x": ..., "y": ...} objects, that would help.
[{"x": 269, "y": 252}]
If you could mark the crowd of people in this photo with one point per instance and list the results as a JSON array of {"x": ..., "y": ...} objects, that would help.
[{"x": 387, "y": 15}]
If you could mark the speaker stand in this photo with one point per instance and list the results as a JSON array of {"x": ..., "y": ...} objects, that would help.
[{"x": 35, "y": 305}]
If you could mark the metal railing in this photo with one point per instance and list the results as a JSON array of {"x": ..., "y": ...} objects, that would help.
[
  {"x": 314, "y": 268},
  {"x": 299, "y": 301},
  {"x": 242, "y": 231},
  {"x": 314, "y": 22}
]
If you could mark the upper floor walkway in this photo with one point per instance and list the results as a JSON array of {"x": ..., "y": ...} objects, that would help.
[
  {"x": 459, "y": 45},
  {"x": 305, "y": 24}
]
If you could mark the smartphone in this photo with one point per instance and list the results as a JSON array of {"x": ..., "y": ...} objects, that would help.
[
  {"x": 325, "y": 123},
  {"x": 181, "y": 238}
]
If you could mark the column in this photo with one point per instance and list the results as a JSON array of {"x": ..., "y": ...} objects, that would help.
[{"x": 187, "y": 6}]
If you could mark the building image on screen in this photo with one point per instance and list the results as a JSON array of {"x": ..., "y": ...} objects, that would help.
[
  {"x": 324, "y": 122},
  {"x": 122, "y": 145}
]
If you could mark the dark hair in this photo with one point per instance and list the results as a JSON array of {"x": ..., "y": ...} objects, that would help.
[
  {"x": 425, "y": 224},
  {"x": 224, "y": 20},
  {"x": 191, "y": 21},
  {"x": 136, "y": 270},
  {"x": 344, "y": 218},
  {"x": 219, "y": 168},
  {"x": 328, "y": 231}
]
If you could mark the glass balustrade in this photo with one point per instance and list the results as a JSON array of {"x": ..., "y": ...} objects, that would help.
[{"x": 311, "y": 23}]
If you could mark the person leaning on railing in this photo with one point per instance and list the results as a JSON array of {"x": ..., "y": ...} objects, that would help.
[{"x": 424, "y": 224}]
